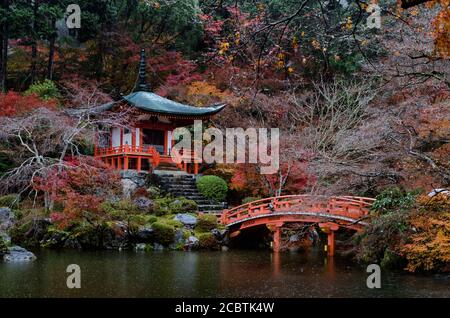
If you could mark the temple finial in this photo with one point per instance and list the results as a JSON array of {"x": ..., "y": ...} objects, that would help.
[{"x": 142, "y": 85}]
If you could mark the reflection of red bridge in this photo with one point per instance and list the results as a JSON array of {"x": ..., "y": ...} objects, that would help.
[{"x": 329, "y": 212}]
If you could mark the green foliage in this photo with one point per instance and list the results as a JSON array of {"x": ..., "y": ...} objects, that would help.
[
  {"x": 207, "y": 241},
  {"x": 183, "y": 205},
  {"x": 250, "y": 199},
  {"x": 151, "y": 219},
  {"x": 46, "y": 90},
  {"x": 10, "y": 200},
  {"x": 119, "y": 210},
  {"x": 153, "y": 192},
  {"x": 393, "y": 199},
  {"x": 5, "y": 163},
  {"x": 162, "y": 206},
  {"x": 170, "y": 205},
  {"x": 206, "y": 222},
  {"x": 164, "y": 233},
  {"x": 3, "y": 246},
  {"x": 213, "y": 187}
]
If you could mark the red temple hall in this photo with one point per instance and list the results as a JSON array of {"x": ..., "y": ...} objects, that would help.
[{"x": 147, "y": 145}]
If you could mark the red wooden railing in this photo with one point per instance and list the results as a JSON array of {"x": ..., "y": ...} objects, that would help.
[
  {"x": 347, "y": 206},
  {"x": 131, "y": 150}
]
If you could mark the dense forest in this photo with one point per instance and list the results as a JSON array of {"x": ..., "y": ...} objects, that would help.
[{"x": 362, "y": 110}]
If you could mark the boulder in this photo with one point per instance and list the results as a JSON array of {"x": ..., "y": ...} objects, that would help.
[
  {"x": 19, "y": 254},
  {"x": 128, "y": 187},
  {"x": 7, "y": 219},
  {"x": 144, "y": 204},
  {"x": 294, "y": 238},
  {"x": 186, "y": 219},
  {"x": 191, "y": 242},
  {"x": 144, "y": 234},
  {"x": 219, "y": 234},
  {"x": 158, "y": 247},
  {"x": 141, "y": 247},
  {"x": 72, "y": 243}
]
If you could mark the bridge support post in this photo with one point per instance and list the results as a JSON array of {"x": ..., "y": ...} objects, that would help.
[
  {"x": 329, "y": 228},
  {"x": 276, "y": 230}
]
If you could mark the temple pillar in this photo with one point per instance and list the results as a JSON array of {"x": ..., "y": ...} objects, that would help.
[
  {"x": 195, "y": 168},
  {"x": 125, "y": 163},
  {"x": 139, "y": 163},
  {"x": 329, "y": 228}
]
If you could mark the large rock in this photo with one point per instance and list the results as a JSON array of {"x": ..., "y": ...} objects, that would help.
[
  {"x": 19, "y": 254},
  {"x": 128, "y": 187},
  {"x": 131, "y": 180},
  {"x": 144, "y": 234},
  {"x": 144, "y": 204},
  {"x": 219, "y": 234},
  {"x": 191, "y": 242},
  {"x": 186, "y": 219},
  {"x": 7, "y": 219}
]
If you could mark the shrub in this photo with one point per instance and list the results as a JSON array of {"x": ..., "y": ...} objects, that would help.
[
  {"x": 183, "y": 205},
  {"x": 151, "y": 219},
  {"x": 120, "y": 209},
  {"x": 10, "y": 200},
  {"x": 153, "y": 192},
  {"x": 45, "y": 90},
  {"x": 393, "y": 199},
  {"x": 207, "y": 241},
  {"x": 213, "y": 187},
  {"x": 250, "y": 199},
  {"x": 164, "y": 233},
  {"x": 206, "y": 222},
  {"x": 3, "y": 246},
  {"x": 162, "y": 206}
]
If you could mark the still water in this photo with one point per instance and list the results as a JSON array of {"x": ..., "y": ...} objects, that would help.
[{"x": 207, "y": 274}]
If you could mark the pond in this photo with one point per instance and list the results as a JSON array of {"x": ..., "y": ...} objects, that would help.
[{"x": 207, "y": 274}]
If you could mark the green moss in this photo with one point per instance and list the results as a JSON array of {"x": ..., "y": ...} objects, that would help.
[
  {"x": 206, "y": 222},
  {"x": 183, "y": 205},
  {"x": 164, "y": 233},
  {"x": 213, "y": 187},
  {"x": 207, "y": 241},
  {"x": 119, "y": 210},
  {"x": 153, "y": 192},
  {"x": 10, "y": 200},
  {"x": 162, "y": 206},
  {"x": 3, "y": 246}
]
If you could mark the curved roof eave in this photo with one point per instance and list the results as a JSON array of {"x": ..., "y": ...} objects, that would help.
[{"x": 153, "y": 103}]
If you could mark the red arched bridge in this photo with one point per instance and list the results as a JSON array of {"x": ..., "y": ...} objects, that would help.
[{"x": 330, "y": 213}]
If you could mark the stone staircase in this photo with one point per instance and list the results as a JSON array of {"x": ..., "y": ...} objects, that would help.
[{"x": 181, "y": 184}]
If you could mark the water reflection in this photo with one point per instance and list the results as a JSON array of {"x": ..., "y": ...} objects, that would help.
[{"x": 207, "y": 274}]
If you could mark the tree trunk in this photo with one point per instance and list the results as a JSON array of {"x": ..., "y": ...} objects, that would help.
[
  {"x": 4, "y": 49},
  {"x": 51, "y": 53},
  {"x": 33, "y": 70}
]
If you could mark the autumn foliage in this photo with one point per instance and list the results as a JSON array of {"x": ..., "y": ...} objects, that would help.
[
  {"x": 79, "y": 190},
  {"x": 16, "y": 104}
]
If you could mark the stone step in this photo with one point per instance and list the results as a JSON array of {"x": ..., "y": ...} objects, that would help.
[
  {"x": 202, "y": 207},
  {"x": 177, "y": 177},
  {"x": 180, "y": 186},
  {"x": 187, "y": 181}
]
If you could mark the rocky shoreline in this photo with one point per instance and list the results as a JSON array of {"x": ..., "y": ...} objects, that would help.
[{"x": 192, "y": 232}]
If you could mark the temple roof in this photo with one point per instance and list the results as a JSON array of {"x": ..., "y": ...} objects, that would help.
[
  {"x": 153, "y": 103},
  {"x": 146, "y": 101}
]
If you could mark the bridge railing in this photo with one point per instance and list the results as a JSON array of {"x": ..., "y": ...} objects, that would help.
[{"x": 348, "y": 206}]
